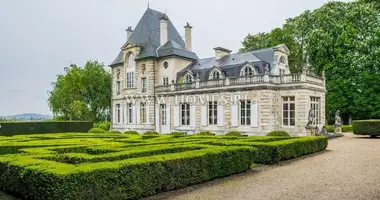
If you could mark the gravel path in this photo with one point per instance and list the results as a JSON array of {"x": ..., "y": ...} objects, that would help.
[{"x": 349, "y": 169}]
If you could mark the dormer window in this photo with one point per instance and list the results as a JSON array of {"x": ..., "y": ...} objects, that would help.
[
  {"x": 130, "y": 70},
  {"x": 188, "y": 78},
  {"x": 166, "y": 64},
  {"x": 215, "y": 75},
  {"x": 247, "y": 71},
  {"x": 282, "y": 60}
]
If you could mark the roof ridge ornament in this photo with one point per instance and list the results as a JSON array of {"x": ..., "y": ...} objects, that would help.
[{"x": 164, "y": 17}]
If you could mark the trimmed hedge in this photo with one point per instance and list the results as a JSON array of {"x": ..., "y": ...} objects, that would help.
[
  {"x": 129, "y": 179},
  {"x": 279, "y": 133},
  {"x": 208, "y": 133},
  {"x": 16, "y": 128},
  {"x": 366, "y": 127},
  {"x": 132, "y": 132},
  {"x": 234, "y": 133},
  {"x": 114, "y": 132},
  {"x": 151, "y": 133},
  {"x": 96, "y": 130},
  {"x": 345, "y": 128},
  {"x": 103, "y": 125}
]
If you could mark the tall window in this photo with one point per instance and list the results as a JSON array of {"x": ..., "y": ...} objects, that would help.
[
  {"x": 314, "y": 105},
  {"x": 247, "y": 71},
  {"x": 118, "y": 87},
  {"x": 130, "y": 79},
  {"x": 143, "y": 113},
  {"x": 118, "y": 113},
  {"x": 130, "y": 71},
  {"x": 188, "y": 78},
  {"x": 288, "y": 111},
  {"x": 212, "y": 113},
  {"x": 185, "y": 114},
  {"x": 165, "y": 81},
  {"x": 215, "y": 75},
  {"x": 143, "y": 85},
  {"x": 245, "y": 112},
  {"x": 163, "y": 114},
  {"x": 130, "y": 113},
  {"x": 282, "y": 72}
]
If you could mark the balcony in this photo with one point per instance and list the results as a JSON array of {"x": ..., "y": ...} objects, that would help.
[{"x": 248, "y": 80}]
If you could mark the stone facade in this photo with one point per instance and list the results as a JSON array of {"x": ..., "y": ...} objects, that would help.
[{"x": 267, "y": 98}]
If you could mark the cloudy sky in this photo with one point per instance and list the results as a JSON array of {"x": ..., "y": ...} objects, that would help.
[{"x": 39, "y": 38}]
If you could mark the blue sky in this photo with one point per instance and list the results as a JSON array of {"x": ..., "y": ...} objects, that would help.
[{"x": 39, "y": 38}]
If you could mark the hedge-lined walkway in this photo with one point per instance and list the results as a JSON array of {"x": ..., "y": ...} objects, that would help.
[{"x": 349, "y": 169}]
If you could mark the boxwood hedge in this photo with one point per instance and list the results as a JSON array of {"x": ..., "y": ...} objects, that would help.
[{"x": 366, "y": 127}]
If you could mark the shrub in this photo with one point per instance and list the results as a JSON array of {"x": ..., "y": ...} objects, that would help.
[
  {"x": 234, "y": 133},
  {"x": 366, "y": 127},
  {"x": 132, "y": 132},
  {"x": 16, "y": 127},
  {"x": 178, "y": 134},
  {"x": 114, "y": 132},
  {"x": 206, "y": 133},
  {"x": 279, "y": 133},
  {"x": 96, "y": 130},
  {"x": 330, "y": 128},
  {"x": 345, "y": 128},
  {"x": 103, "y": 125},
  {"x": 151, "y": 133}
]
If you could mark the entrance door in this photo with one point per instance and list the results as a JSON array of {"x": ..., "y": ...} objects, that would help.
[{"x": 164, "y": 119}]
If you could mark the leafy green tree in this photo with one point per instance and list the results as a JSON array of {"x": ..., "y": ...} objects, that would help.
[{"x": 82, "y": 93}]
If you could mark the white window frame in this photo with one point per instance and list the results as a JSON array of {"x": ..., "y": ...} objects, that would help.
[
  {"x": 184, "y": 114},
  {"x": 212, "y": 114},
  {"x": 188, "y": 78},
  {"x": 245, "y": 112},
  {"x": 130, "y": 71},
  {"x": 163, "y": 120},
  {"x": 215, "y": 74},
  {"x": 315, "y": 103},
  {"x": 142, "y": 113},
  {"x": 287, "y": 103},
  {"x": 165, "y": 80},
  {"x": 118, "y": 113},
  {"x": 118, "y": 87},
  {"x": 144, "y": 85},
  {"x": 130, "y": 113},
  {"x": 247, "y": 70}
]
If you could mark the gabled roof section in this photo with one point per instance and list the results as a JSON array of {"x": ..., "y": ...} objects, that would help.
[
  {"x": 118, "y": 59},
  {"x": 171, "y": 48}
]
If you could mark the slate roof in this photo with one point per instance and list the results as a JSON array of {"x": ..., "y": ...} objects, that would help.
[
  {"x": 147, "y": 36},
  {"x": 231, "y": 64},
  {"x": 173, "y": 48}
]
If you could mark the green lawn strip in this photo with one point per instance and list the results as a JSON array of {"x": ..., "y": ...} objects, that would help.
[{"x": 122, "y": 179}]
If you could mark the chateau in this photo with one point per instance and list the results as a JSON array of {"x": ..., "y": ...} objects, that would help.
[{"x": 160, "y": 84}]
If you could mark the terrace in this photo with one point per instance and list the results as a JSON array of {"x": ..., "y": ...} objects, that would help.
[{"x": 246, "y": 81}]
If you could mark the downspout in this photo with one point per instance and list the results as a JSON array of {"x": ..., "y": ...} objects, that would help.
[{"x": 154, "y": 87}]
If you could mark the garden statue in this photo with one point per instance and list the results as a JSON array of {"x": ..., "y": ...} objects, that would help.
[
  {"x": 310, "y": 119},
  {"x": 338, "y": 122}
]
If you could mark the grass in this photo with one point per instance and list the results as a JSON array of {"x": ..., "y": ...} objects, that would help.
[{"x": 129, "y": 166}]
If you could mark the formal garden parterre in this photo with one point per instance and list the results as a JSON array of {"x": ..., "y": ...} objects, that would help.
[{"x": 127, "y": 166}]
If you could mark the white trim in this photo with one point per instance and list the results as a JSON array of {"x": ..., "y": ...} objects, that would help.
[
  {"x": 204, "y": 114},
  {"x": 220, "y": 115}
]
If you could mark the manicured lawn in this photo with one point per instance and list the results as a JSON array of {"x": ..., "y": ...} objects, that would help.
[{"x": 115, "y": 166}]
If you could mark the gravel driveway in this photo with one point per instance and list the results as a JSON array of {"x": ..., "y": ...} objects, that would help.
[{"x": 349, "y": 169}]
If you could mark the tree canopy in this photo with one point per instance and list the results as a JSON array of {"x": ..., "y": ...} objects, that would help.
[
  {"x": 82, "y": 93},
  {"x": 341, "y": 39}
]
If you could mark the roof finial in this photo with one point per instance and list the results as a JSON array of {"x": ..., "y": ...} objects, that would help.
[{"x": 148, "y": 4}]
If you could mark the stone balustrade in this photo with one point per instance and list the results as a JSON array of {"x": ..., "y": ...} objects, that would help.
[{"x": 247, "y": 80}]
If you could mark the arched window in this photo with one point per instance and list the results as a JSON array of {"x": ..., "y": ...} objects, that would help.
[
  {"x": 215, "y": 74},
  {"x": 188, "y": 78},
  {"x": 247, "y": 71},
  {"x": 130, "y": 70},
  {"x": 282, "y": 66},
  {"x": 283, "y": 60}
]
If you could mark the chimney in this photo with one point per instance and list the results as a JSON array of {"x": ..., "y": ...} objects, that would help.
[
  {"x": 221, "y": 52},
  {"x": 188, "y": 36},
  {"x": 129, "y": 32},
  {"x": 163, "y": 29}
]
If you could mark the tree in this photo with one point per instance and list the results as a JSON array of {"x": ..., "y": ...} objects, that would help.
[{"x": 82, "y": 93}]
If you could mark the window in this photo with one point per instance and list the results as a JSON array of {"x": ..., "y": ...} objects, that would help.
[
  {"x": 130, "y": 113},
  {"x": 282, "y": 72},
  {"x": 213, "y": 113},
  {"x": 247, "y": 71},
  {"x": 185, "y": 114},
  {"x": 130, "y": 79},
  {"x": 165, "y": 81},
  {"x": 131, "y": 61},
  {"x": 188, "y": 78},
  {"x": 143, "y": 85},
  {"x": 215, "y": 75},
  {"x": 282, "y": 60},
  {"x": 245, "y": 112},
  {"x": 314, "y": 105},
  {"x": 118, "y": 87},
  {"x": 143, "y": 113},
  {"x": 166, "y": 65},
  {"x": 288, "y": 111},
  {"x": 163, "y": 114},
  {"x": 118, "y": 113}
]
